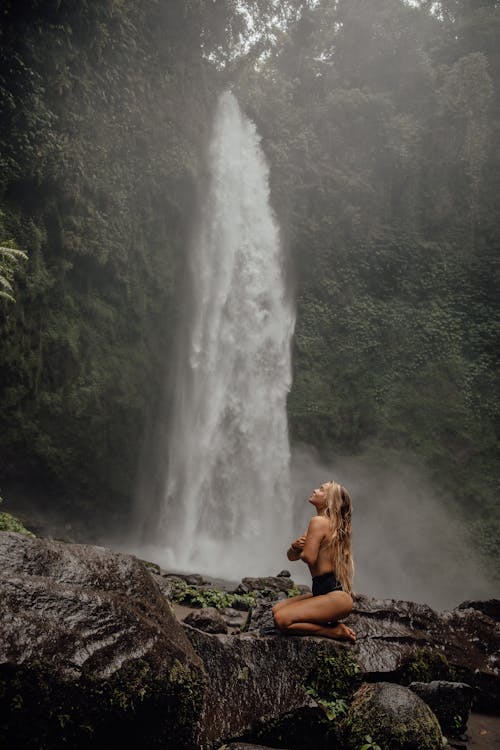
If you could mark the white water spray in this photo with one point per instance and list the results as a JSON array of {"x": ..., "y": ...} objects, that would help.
[{"x": 227, "y": 501}]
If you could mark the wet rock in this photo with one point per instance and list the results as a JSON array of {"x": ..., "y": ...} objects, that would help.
[
  {"x": 449, "y": 701},
  {"x": 269, "y": 583},
  {"x": 249, "y": 677},
  {"x": 207, "y": 619},
  {"x": 304, "y": 728},
  {"x": 490, "y": 607},
  {"x": 192, "y": 579},
  {"x": 284, "y": 574},
  {"x": 394, "y": 717},
  {"x": 234, "y": 618},
  {"x": 151, "y": 566},
  {"x": 261, "y": 619},
  {"x": 90, "y": 652},
  {"x": 168, "y": 585},
  {"x": 405, "y": 642}
]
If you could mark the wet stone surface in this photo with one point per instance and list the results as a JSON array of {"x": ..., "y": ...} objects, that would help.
[{"x": 89, "y": 649}]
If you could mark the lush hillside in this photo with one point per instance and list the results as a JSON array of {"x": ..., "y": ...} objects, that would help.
[{"x": 381, "y": 121}]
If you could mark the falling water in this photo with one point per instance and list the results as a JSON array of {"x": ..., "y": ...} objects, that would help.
[{"x": 227, "y": 502}]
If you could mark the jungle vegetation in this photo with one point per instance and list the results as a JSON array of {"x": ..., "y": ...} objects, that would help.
[{"x": 381, "y": 122}]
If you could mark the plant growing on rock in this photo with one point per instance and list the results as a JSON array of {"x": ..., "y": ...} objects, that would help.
[
  {"x": 370, "y": 744},
  {"x": 199, "y": 597},
  {"x": 9, "y": 522},
  {"x": 424, "y": 665},
  {"x": 332, "y": 682}
]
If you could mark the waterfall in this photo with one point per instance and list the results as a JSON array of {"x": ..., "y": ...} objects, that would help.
[{"x": 227, "y": 502}]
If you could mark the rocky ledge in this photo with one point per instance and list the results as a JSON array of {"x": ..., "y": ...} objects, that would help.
[{"x": 91, "y": 655}]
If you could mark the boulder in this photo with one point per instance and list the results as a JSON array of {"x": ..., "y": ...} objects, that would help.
[
  {"x": 252, "y": 681},
  {"x": 394, "y": 717},
  {"x": 267, "y": 583},
  {"x": 303, "y": 728},
  {"x": 235, "y": 618},
  {"x": 208, "y": 619},
  {"x": 490, "y": 607},
  {"x": 90, "y": 652},
  {"x": 449, "y": 701},
  {"x": 405, "y": 642}
]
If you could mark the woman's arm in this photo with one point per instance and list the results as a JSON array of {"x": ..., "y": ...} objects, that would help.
[
  {"x": 296, "y": 547},
  {"x": 315, "y": 533}
]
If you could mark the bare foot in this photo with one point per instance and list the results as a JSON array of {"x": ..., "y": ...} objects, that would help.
[{"x": 340, "y": 632}]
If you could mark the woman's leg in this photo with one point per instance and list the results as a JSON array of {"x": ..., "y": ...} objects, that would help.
[
  {"x": 291, "y": 600},
  {"x": 311, "y": 616}
]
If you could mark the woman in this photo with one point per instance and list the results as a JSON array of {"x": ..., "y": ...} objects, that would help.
[{"x": 326, "y": 548}]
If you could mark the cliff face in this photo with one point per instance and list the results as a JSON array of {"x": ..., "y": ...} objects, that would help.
[{"x": 90, "y": 649}]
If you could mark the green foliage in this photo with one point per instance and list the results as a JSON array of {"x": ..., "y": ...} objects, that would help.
[
  {"x": 393, "y": 232},
  {"x": 334, "y": 709},
  {"x": 425, "y": 665},
  {"x": 8, "y": 522},
  {"x": 332, "y": 682},
  {"x": 9, "y": 261},
  {"x": 294, "y": 591},
  {"x": 380, "y": 121},
  {"x": 197, "y": 597},
  {"x": 370, "y": 744}
]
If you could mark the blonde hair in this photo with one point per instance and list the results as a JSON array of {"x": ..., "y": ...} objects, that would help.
[{"x": 338, "y": 510}]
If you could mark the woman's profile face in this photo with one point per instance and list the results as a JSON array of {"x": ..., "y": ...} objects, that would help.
[{"x": 318, "y": 496}]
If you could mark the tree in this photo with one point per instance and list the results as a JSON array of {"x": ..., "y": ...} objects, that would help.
[{"x": 9, "y": 261}]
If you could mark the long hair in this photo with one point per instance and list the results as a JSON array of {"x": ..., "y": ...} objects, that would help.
[{"x": 338, "y": 510}]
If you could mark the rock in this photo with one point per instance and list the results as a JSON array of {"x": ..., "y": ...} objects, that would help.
[
  {"x": 302, "y": 588},
  {"x": 249, "y": 678},
  {"x": 284, "y": 574},
  {"x": 207, "y": 619},
  {"x": 405, "y": 642},
  {"x": 151, "y": 566},
  {"x": 449, "y": 701},
  {"x": 244, "y": 746},
  {"x": 394, "y": 717},
  {"x": 242, "y": 606},
  {"x": 90, "y": 652},
  {"x": 192, "y": 579},
  {"x": 167, "y": 584},
  {"x": 303, "y": 728},
  {"x": 261, "y": 619},
  {"x": 269, "y": 583},
  {"x": 491, "y": 607},
  {"x": 234, "y": 618}
]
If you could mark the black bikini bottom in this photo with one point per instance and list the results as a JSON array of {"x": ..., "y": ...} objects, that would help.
[{"x": 324, "y": 584}]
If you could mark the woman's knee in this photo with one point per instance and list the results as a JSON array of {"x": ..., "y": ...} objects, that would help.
[
  {"x": 278, "y": 606},
  {"x": 349, "y": 604},
  {"x": 281, "y": 619}
]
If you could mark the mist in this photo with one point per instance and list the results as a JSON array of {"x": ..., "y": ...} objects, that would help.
[{"x": 407, "y": 541}]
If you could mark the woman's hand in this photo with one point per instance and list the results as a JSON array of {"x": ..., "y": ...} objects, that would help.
[{"x": 298, "y": 544}]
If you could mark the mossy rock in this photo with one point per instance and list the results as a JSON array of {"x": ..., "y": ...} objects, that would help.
[
  {"x": 334, "y": 676},
  {"x": 9, "y": 522},
  {"x": 90, "y": 652},
  {"x": 425, "y": 665},
  {"x": 132, "y": 709},
  {"x": 394, "y": 717}
]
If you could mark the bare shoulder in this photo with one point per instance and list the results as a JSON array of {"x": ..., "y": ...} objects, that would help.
[{"x": 319, "y": 523}]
